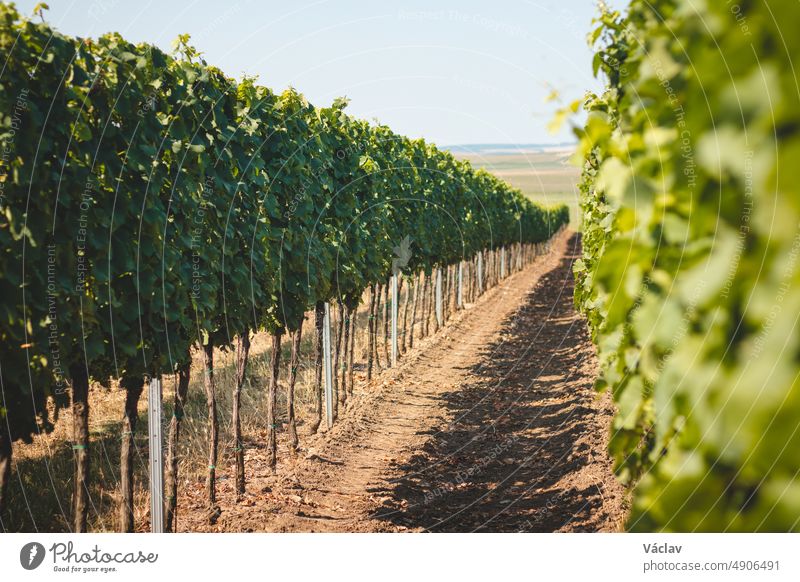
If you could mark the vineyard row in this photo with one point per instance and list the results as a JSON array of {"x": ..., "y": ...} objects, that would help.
[{"x": 149, "y": 203}]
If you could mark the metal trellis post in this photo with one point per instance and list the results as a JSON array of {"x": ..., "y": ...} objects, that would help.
[
  {"x": 395, "y": 300},
  {"x": 156, "y": 458},
  {"x": 439, "y": 318},
  {"x": 327, "y": 364},
  {"x": 460, "y": 284},
  {"x": 480, "y": 272}
]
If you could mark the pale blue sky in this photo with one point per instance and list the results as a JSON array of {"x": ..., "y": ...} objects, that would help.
[{"x": 451, "y": 71}]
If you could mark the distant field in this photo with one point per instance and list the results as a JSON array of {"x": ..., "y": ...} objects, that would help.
[{"x": 545, "y": 177}]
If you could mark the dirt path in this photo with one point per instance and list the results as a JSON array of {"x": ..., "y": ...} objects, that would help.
[{"x": 490, "y": 425}]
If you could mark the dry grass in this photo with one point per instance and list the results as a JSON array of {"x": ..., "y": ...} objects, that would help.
[{"x": 545, "y": 177}]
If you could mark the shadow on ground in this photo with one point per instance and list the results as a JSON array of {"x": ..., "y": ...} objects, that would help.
[{"x": 526, "y": 447}]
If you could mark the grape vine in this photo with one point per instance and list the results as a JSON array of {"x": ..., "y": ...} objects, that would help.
[
  {"x": 150, "y": 203},
  {"x": 689, "y": 274}
]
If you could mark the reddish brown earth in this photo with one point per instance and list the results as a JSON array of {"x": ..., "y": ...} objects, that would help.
[{"x": 492, "y": 424}]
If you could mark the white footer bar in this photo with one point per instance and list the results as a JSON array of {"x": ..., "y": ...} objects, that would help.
[{"x": 614, "y": 557}]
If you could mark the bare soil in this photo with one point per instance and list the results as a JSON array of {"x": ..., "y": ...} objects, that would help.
[{"x": 492, "y": 424}]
